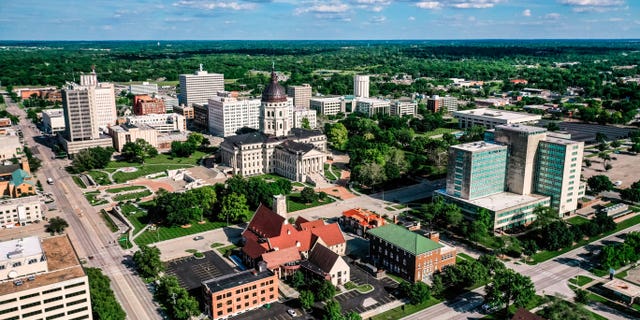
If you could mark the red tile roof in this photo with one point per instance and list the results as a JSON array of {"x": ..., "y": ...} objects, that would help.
[
  {"x": 265, "y": 222},
  {"x": 311, "y": 224},
  {"x": 330, "y": 234},
  {"x": 275, "y": 259},
  {"x": 364, "y": 217}
]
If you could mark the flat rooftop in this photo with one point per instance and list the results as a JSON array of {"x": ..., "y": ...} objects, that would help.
[
  {"x": 62, "y": 262},
  {"x": 497, "y": 114},
  {"x": 521, "y": 128},
  {"x": 25, "y": 247},
  {"x": 557, "y": 140},
  {"x": 479, "y": 146},
  {"x": 623, "y": 287},
  {"x": 501, "y": 201},
  {"x": 236, "y": 279}
]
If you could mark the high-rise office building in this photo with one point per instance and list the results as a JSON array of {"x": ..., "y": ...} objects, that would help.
[
  {"x": 522, "y": 142},
  {"x": 79, "y": 113},
  {"x": 444, "y": 104},
  {"x": 300, "y": 94},
  {"x": 42, "y": 279},
  {"x": 476, "y": 170},
  {"x": 199, "y": 87},
  {"x": 275, "y": 109},
  {"x": 361, "y": 86},
  {"x": 227, "y": 114},
  {"x": 103, "y": 100},
  {"x": 401, "y": 108}
]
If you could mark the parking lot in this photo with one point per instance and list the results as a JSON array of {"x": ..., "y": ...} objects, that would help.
[
  {"x": 276, "y": 311},
  {"x": 358, "y": 302},
  {"x": 191, "y": 271}
]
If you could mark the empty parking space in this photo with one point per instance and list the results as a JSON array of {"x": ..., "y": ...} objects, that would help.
[{"x": 191, "y": 271}]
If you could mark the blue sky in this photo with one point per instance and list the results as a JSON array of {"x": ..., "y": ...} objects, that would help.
[{"x": 317, "y": 19}]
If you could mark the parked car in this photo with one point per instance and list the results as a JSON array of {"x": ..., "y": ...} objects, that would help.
[
  {"x": 292, "y": 312},
  {"x": 196, "y": 238}
]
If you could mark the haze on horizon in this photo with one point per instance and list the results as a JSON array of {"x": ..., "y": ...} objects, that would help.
[{"x": 318, "y": 19}]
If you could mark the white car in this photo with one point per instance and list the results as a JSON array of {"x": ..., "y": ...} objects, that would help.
[
  {"x": 292, "y": 312},
  {"x": 617, "y": 183}
]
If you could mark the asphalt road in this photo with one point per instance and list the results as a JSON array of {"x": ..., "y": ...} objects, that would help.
[
  {"x": 89, "y": 235},
  {"x": 549, "y": 277}
]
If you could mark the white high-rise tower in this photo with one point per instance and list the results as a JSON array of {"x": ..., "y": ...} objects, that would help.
[
  {"x": 199, "y": 87},
  {"x": 361, "y": 86}
]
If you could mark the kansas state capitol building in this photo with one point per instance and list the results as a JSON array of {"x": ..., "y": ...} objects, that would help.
[{"x": 295, "y": 153}]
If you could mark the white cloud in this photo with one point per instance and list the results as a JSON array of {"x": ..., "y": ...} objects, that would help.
[
  {"x": 526, "y": 13},
  {"x": 412, "y": 18},
  {"x": 378, "y": 19},
  {"x": 429, "y": 5},
  {"x": 215, "y": 4},
  {"x": 593, "y": 5},
  {"x": 320, "y": 8},
  {"x": 552, "y": 16},
  {"x": 459, "y": 4}
]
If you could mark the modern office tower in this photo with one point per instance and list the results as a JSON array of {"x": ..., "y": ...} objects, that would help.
[
  {"x": 361, "y": 86},
  {"x": 401, "y": 108},
  {"x": 328, "y": 106},
  {"x": 53, "y": 120},
  {"x": 227, "y": 114},
  {"x": 199, "y": 87},
  {"x": 299, "y": 114},
  {"x": 557, "y": 175},
  {"x": 144, "y": 88},
  {"x": 275, "y": 118},
  {"x": 300, "y": 94},
  {"x": 105, "y": 106},
  {"x": 444, "y": 104},
  {"x": 144, "y": 104},
  {"x": 489, "y": 118},
  {"x": 476, "y": 170},
  {"x": 370, "y": 107},
  {"x": 522, "y": 142},
  {"x": 79, "y": 113},
  {"x": 42, "y": 279},
  {"x": 201, "y": 115}
]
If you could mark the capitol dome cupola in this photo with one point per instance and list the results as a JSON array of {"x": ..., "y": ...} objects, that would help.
[{"x": 274, "y": 92}]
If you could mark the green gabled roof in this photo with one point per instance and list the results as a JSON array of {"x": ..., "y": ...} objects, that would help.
[
  {"x": 405, "y": 239},
  {"x": 18, "y": 176}
]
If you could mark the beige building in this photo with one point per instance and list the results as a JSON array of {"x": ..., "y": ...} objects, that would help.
[
  {"x": 522, "y": 142},
  {"x": 361, "y": 86},
  {"x": 300, "y": 94},
  {"x": 370, "y": 107},
  {"x": 299, "y": 114},
  {"x": 489, "y": 118},
  {"x": 199, "y": 87},
  {"x": 328, "y": 106},
  {"x": 227, "y": 114},
  {"x": 53, "y": 120},
  {"x": 130, "y": 133},
  {"x": 10, "y": 146},
  {"x": 401, "y": 108},
  {"x": 327, "y": 265},
  {"x": 442, "y": 104},
  {"x": 42, "y": 279},
  {"x": 163, "y": 123},
  {"x": 20, "y": 211},
  {"x": 186, "y": 111}
]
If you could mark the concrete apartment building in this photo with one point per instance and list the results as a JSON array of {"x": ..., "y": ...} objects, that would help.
[
  {"x": 232, "y": 294},
  {"x": 199, "y": 87},
  {"x": 10, "y": 145},
  {"x": 442, "y": 104},
  {"x": 299, "y": 114},
  {"x": 300, "y": 94},
  {"x": 490, "y": 118},
  {"x": 130, "y": 133},
  {"x": 328, "y": 106},
  {"x": 144, "y": 88},
  {"x": 163, "y": 123},
  {"x": 540, "y": 170},
  {"x": 369, "y": 106},
  {"x": 20, "y": 211},
  {"x": 401, "y": 108},
  {"x": 227, "y": 114},
  {"x": 144, "y": 104},
  {"x": 42, "y": 279},
  {"x": 186, "y": 111},
  {"x": 361, "y": 86},
  {"x": 53, "y": 120},
  {"x": 408, "y": 254}
]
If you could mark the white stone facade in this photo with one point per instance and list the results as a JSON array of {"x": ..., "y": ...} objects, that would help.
[{"x": 228, "y": 114}]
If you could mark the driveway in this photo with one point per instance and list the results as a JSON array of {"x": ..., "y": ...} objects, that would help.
[{"x": 355, "y": 301}]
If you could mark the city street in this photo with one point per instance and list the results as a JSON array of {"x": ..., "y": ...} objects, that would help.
[{"x": 90, "y": 236}]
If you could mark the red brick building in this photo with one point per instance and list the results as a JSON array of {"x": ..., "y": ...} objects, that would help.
[
  {"x": 408, "y": 254},
  {"x": 232, "y": 294},
  {"x": 360, "y": 220},
  {"x": 144, "y": 104}
]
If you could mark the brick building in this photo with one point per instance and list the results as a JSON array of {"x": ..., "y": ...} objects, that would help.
[
  {"x": 232, "y": 294},
  {"x": 144, "y": 104},
  {"x": 360, "y": 220},
  {"x": 408, "y": 254}
]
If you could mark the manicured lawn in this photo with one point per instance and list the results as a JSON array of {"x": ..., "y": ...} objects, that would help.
[
  {"x": 226, "y": 249},
  {"x": 79, "y": 182},
  {"x": 577, "y": 220},
  {"x": 127, "y": 188},
  {"x": 465, "y": 256},
  {"x": 439, "y": 131},
  {"x": 407, "y": 309},
  {"x": 134, "y": 195},
  {"x": 294, "y": 203},
  {"x": 147, "y": 169},
  {"x": 160, "y": 163},
  {"x": 216, "y": 244},
  {"x": 536, "y": 301},
  {"x": 581, "y": 280},
  {"x": 166, "y": 233},
  {"x": 91, "y": 197},
  {"x": 546, "y": 255},
  {"x": 136, "y": 216},
  {"x": 399, "y": 206},
  {"x": 99, "y": 177},
  {"x": 350, "y": 285},
  {"x": 108, "y": 221},
  {"x": 395, "y": 278},
  {"x": 328, "y": 174}
]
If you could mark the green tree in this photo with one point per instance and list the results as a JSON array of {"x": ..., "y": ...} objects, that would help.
[
  {"x": 599, "y": 183},
  {"x": 92, "y": 158},
  {"x": 182, "y": 149},
  {"x": 616, "y": 144},
  {"x": 57, "y": 225},
  {"x": 306, "y": 124},
  {"x": 307, "y": 299},
  {"x": 138, "y": 151},
  {"x": 337, "y": 135},
  {"x": 632, "y": 193},
  {"x": 352, "y": 316},
  {"x": 175, "y": 300},
  {"x": 326, "y": 291},
  {"x": 147, "y": 261},
  {"x": 582, "y": 296},
  {"x": 234, "y": 208},
  {"x": 332, "y": 310},
  {"x": 545, "y": 216},
  {"x": 553, "y": 126},
  {"x": 416, "y": 292},
  {"x": 559, "y": 309},
  {"x": 103, "y": 301},
  {"x": 308, "y": 195},
  {"x": 297, "y": 279},
  {"x": 507, "y": 286}
]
